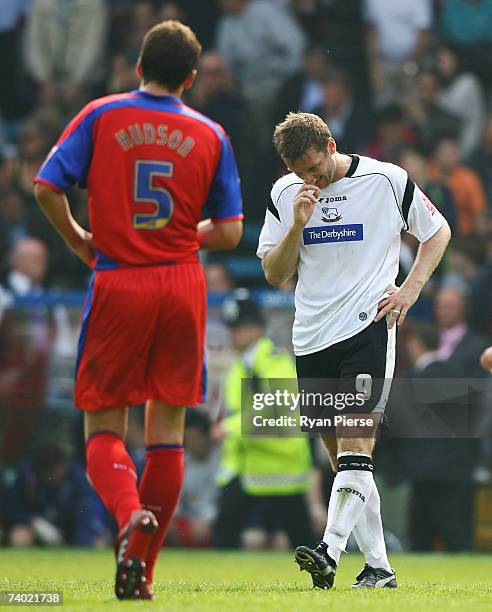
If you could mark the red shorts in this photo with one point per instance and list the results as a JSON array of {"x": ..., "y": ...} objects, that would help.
[{"x": 142, "y": 337}]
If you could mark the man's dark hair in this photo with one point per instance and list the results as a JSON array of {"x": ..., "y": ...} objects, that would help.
[
  {"x": 298, "y": 133},
  {"x": 170, "y": 51}
]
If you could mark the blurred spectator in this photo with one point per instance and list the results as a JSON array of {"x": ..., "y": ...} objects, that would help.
[
  {"x": 28, "y": 265},
  {"x": 197, "y": 506},
  {"x": 467, "y": 24},
  {"x": 123, "y": 75},
  {"x": 417, "y": 166},
  {"x": 464, "y": 259},
  {"x": 481, "y": 296},
  {"x": 219, "y": 279},
  {"x": 465, "y": 185},
  {"x": 262, "y": 44},
  {"x": 421, "y": 348},
  {"x": 263, "y": 480},
  {"x": 398, "y": 35},
  {"x": 338, "y": 28},
  {"x": 65, "y": 50},
  {"x": 350, "y": 123},
  {"x": 25, "y": 344},
  {"x": 481, "y": 162},
  {"x": 303, "y": 91},
  {"x": 459, "y": 346},
  {"x": 12, "y": 13},
  {"x": 12, "y": 221},
  {"x": 441, "y": 510},
  {"x": 426, "y": 113},
  {"x": 214, "y": 94},
  {"x": 202, "y": 18},
  {"x": 462, "y": 95},
  {"x": 52, "y": 503},
  {"x": 171, "y": 10},
  {"x": 35, "y": 140},
  {"x": 393, "y": 134}
]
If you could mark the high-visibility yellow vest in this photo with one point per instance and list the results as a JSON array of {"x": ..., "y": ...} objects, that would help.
[{"x": 266, "y": 466}]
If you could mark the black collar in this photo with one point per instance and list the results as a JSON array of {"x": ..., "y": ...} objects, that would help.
[{"x": 353, "y": 165}]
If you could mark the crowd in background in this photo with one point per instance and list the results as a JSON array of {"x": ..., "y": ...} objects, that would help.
[{"x": 407, "y": 81}]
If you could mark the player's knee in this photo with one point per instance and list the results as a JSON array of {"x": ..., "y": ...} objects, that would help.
[
  {"x": 113, "y": 420},
  {"x": 164, "y": 423},
  {"x": 361, "y": 446}
]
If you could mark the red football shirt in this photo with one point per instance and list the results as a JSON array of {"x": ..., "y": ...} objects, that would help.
[{"x": 153, "y": 168}]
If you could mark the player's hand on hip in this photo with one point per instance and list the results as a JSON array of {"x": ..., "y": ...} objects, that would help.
[
  {"x": 396, "y": 306},
  {"x": 84, "y": 248},
  {"x": 486, "y": 359},
  {"x": 304, "y": 202}
]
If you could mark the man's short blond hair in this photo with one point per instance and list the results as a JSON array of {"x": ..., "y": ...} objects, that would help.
[{"x": 299, "y": 132}]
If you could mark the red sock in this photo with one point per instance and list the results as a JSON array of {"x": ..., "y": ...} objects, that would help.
[
  {"x": 113, "y": 475},
  {"x": 160, "y": 487}
]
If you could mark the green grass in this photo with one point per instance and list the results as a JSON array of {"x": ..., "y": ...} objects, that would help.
[{"x": 270, "y": 582}]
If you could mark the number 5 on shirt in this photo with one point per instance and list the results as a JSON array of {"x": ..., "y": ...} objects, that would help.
[{"x": 145, "y": 191}]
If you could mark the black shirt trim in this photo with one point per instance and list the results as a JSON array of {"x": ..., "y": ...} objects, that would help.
[
  {"x": 353, "y": 165},
  {"x": 273, "y": 207},
  {"x": 407, "y": 198},
  {"x": 274, "y": 210}
]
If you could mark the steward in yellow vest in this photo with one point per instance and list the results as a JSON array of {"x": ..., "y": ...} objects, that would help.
[{"x": 263, "y": 480}]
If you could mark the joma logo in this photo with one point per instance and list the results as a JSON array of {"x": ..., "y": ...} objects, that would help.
[
  {"x": 332, "y": 199},
  {"x": 349, "y": 490}
]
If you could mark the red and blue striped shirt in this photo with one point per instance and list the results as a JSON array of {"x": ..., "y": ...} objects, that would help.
[{"x": 153, "y": 168}]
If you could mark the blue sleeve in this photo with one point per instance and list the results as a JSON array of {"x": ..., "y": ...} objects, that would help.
[
  {"x": 69, "y": 160},
  {"x": 224, "y": 198}
]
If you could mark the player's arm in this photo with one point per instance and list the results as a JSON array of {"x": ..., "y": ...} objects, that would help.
[
  {"x": 219, "y": 236},
  {"x": 280, "y": 262},
  {"x": 55, "y": 206},
  {"x": 224, "y": 229},
  {"x": 429, "y": 254},
  {"x": 66, "y": 165}
]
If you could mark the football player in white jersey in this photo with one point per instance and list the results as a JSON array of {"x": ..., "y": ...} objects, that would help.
[{"x": 336, "y": 220}]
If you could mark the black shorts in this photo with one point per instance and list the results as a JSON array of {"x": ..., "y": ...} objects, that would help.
[{"x": 371, "y": 352}]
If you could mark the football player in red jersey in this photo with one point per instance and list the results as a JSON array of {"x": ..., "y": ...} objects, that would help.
[{"x": 153, "y": 168}]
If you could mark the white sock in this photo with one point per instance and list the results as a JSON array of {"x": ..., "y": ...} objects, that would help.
[
  {"x": 368, "y": 533},
  {"x": 349, "y": 495}
]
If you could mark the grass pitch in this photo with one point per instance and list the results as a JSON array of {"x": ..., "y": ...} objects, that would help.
[{"x": 270, "y": 582}]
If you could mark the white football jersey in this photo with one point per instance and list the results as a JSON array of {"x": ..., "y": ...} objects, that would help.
[{"x": 350, "y": 247}]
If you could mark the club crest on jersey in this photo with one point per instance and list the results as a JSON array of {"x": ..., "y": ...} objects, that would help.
[{"x": 332, "y": 215}]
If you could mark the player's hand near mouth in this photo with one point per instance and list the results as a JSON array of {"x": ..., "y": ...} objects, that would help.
[
  {"x": 304, "y": 202},
  {"x": 280, "y": 263}
]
